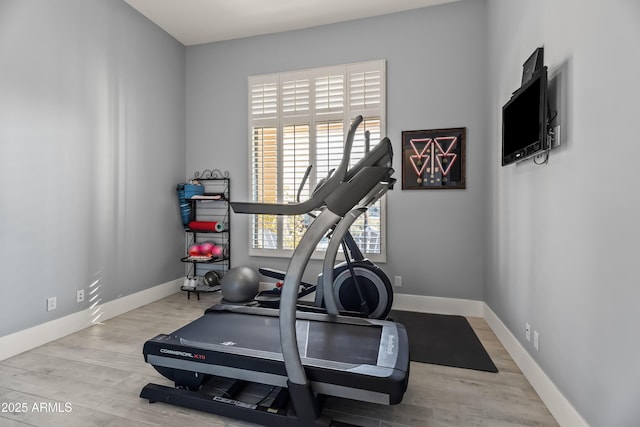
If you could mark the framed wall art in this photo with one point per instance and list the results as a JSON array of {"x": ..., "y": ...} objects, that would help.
[{"x": 433, "y": 159}]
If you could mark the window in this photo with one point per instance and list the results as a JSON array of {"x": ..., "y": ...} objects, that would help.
[{"x": 301, "y": 118}]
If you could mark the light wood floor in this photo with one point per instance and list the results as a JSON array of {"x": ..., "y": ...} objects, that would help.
[{"x": 94, "y": 377}]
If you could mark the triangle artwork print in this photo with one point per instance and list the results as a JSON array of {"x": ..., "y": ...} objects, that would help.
[{"x": 433, "y": 159}]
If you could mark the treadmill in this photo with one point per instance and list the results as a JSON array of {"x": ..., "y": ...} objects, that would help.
[{"x": 296, "y": 358}]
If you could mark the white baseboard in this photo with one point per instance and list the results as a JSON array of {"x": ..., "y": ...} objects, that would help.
[
  {"x": 16, "y": 343},
  {"x": 562, "y": 410},
  {"x": 424, "y": 304}
]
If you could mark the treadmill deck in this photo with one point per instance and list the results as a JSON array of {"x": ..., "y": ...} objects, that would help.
[{"x": 354, "y": 358}]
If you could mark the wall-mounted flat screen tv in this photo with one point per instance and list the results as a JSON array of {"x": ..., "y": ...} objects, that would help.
[{"x": 524, "y": 120}]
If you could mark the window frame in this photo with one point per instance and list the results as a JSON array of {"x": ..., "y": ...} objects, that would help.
[{"x": 312, "y": 119}]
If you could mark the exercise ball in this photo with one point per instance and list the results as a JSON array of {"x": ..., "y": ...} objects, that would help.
[{"x": 240, "y": 284}]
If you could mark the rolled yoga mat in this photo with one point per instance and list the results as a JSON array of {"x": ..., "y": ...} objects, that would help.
[{"x": 206, "y": 226}]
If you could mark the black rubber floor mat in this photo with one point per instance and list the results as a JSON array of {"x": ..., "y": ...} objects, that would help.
[{"x": 444, "y": 340}]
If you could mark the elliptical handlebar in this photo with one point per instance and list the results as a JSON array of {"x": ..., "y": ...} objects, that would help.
[
  {"x": 341, "y": 171},
  {"x": 304, "y": 181}
]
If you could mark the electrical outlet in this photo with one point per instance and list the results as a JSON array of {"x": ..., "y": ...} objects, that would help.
[
  {"x": 51, "y": 303},
  {"x": 527, "y": 331},
  {"x": 397, "y": 281},
  {"x": 80, "y": 295},
  {"x": 536, "y": 340}
]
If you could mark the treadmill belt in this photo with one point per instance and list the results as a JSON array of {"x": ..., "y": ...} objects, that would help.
[
  {"x": 316, "y": 339},
  {"x": 234, "y": 330},
  {"x": 344, "y": 343}
]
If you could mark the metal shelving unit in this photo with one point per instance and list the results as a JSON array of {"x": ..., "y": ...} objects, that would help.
[{"x": 209, "y": 222}]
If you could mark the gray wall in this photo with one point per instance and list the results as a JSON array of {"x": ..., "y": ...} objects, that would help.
[
  {"x": 563, "y": 247},
  {"x": 91, "y": 147},
  {"x": 436, "y": 78}
]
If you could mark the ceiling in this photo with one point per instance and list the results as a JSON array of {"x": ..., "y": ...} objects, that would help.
[{"x": 202, "y": 21}]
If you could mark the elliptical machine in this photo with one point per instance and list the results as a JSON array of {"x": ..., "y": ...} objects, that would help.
[{"x": 360, "y": 287}]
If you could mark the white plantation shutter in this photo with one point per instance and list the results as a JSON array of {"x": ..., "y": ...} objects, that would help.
[
  {"x": 295, "y": 159},
  {"x": 264, "y": 184},
  {"x": 329, "y": 147},
  {"x": 263, "y": 103},
  {"x": 329, "y": 96},
  {"x": 295, "y": 98},
  {"x": 300, "y": 118},
  {"x": 365, "y": 89},
  {"x": 264, "y": 99}
]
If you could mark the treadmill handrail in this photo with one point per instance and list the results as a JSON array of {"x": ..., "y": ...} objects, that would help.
[
  {"x": 346, "y": 196},
  {"x": 317, "y": 198},
  {"x": 289, "y": 296}
]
